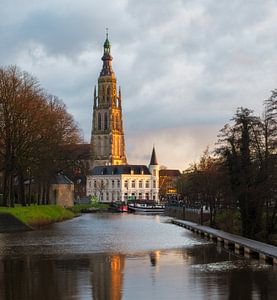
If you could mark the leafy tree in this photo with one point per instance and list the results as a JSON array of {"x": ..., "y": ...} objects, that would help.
[
  {"x": 241, "y": 148},
  {"x": 33, "y": 126}
]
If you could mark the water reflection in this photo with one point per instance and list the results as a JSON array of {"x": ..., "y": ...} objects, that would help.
[
  {"x": 196, "y": 270},
  {"x": 107, "y": 276}
]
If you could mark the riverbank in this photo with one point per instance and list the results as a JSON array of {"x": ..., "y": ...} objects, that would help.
[
  {"x": 226, "y": 220},
  {"x": 239, "y": 244},
  {"x": 38, "y": 215}
]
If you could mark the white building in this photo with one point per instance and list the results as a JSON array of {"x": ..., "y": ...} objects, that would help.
[{"x": 123, "y": 182}]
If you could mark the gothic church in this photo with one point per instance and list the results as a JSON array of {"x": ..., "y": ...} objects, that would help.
[{"x": 111, "y": 178}]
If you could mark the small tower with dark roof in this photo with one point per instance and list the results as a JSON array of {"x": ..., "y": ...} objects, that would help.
[
  {"x": 107, "y": 136},
  {"x": 154, "y": 170},
  {"x": 153, "y": 160}
]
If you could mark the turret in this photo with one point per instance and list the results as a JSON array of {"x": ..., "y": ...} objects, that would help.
[
  {"x": 95, "y": 98},
  {"x": 119, "y": 97},
  {"x": 154, "y": 170}
]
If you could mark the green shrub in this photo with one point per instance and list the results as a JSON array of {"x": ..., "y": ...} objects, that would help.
[{"x": 229, "y": 220}]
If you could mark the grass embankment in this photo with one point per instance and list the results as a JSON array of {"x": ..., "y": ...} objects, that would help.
[
  {"x": 38, "y": 215},
  {"x": 76, "y": 209}
]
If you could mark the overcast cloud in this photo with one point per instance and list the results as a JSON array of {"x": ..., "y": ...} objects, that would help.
[{"x": 184, "y": 65}]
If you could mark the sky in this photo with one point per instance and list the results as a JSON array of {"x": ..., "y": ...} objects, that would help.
[{"x": 184, "y": 66}]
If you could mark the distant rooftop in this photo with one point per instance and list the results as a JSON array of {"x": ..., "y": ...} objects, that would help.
[
  {"x": 171, "y": 173},
  {"x": 61, "y": 179},
  {"x": 120, "y": 169}
]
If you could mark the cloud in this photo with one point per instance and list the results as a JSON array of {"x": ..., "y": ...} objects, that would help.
[
  {"x": 181, "y": 64},
  {"x": 175, "y": 147}
]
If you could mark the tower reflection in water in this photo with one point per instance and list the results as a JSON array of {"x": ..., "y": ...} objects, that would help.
[
  {"x": 154, "y": 258},
  {"x": 107, "y": 276}
]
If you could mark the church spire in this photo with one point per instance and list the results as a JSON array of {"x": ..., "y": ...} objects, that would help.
[
  {"x": 107, "y": 58},
  {"x": 107, "y": 136},
  {"x": 153, "y": 161}
]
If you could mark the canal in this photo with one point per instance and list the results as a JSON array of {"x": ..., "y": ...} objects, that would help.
[{"x": 125, "y": 256}]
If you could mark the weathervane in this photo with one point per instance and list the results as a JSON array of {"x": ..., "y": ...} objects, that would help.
[{"x": 107, "y": 32}]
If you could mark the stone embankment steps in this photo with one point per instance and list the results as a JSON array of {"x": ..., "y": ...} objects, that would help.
[
  {"x": 9, "y": 223},
  {"x": 241, "y": 245}
]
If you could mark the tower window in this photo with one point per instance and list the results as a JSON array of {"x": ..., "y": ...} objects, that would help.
[
  {"x": 105, "y": 121},
  {"x": 108, "y": 93},
  {"x": 99, "y": 121}
]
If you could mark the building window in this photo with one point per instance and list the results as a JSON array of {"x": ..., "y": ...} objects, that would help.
[
  {"x": 154, "y": 172},
  {"x": 118, "y": 183},
  {"x": 147, "y": 184},
  {"x": 107, "y": 196},
  {"x": 108, "y": 93},
  {"x": 140, "y": 196},
  {"x": 147, "y": 196},
  {"x": 94, "y": 184},
  {"x": 105, "y": 121},
  {"x": 133, "y": 184},
  {"x": 99, "y": 121},
  {"x": 140, "y": 184},
  {"x": 112, "y": 184},
  {"x": 126, "y": 184},
  {"x": 154, "y": 184}
]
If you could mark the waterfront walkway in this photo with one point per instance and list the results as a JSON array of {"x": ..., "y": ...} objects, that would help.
[{"x": 240, "y": 244}]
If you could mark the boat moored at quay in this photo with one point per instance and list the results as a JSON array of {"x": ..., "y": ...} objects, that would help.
[{"x": 146, "y": 208}]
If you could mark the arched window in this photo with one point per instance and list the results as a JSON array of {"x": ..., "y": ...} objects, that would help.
[
  {"x": 108, "y": 92},
  {"x": 114, "y": 121},
  {"x": 105, "y": 121},
  {"x": 103, "y": 94},
  {"x": 99, "y": 121},
  {"x": 117, "y": 122}
]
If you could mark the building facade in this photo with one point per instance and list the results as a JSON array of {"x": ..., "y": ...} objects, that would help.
[
  {"x": 123, "y": 182},
  {"x": 168, "y": 179},
  {"x": 61, "y": 191},
  {"x": 107, "y": 137}
]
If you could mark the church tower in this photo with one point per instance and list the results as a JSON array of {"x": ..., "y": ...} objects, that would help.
[{"x": 107, "y": 137}]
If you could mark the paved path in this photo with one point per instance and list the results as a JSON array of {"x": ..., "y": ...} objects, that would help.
[{"x": 256, "y": 246}]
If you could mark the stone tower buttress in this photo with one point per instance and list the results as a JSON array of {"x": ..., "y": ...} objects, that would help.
[{"x": 107, "y": 136}]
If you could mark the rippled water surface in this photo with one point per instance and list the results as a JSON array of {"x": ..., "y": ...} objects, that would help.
[{"x": 121, "y": 256}]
